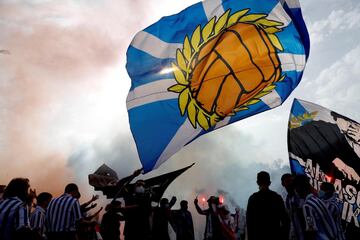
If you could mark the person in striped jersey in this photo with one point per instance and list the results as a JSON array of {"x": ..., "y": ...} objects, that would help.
[
  {"x": 63, "y": 214},
  {"x": 319, "y": 224},
  {"x": 327, "y": 194},
  {"x": 14, "y": 220},
  {"x": 293, "y": 206},
  {"x": 37, "y": 218}
]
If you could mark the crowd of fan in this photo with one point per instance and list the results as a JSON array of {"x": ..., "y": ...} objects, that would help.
[{"x": 305, "y": 214}]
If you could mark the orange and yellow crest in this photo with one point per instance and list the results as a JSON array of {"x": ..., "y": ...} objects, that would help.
[{"x": 226, "y": 66}]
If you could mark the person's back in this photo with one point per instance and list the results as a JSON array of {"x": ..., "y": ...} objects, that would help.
[
  {"x": 293, "y": 206},
  {"x": 37, "y": 218},
  {"x": 319, "y": 224},
  {"x": 183, "y": 222},
  {"x": 137, "y": 214},
  {"x": 62, "y": 215},
  {"x": 161, "y": 218},
  {"x": 335, "y": 211},
  {"x": 318, "y": 219},
  {"x": 110, "y": 223},
  {"x": 266, "y": 216},
  {"x": 160, "y": 224},
  {"x": 327, "y": 194},
  {"x": 14, "y": 217}
]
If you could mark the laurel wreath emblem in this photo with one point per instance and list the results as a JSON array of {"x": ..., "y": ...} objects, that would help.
[
  {"x": 298, "y": 121},
  {"x": 182, "y": 69}
]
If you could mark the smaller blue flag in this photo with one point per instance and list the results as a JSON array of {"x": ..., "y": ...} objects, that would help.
[{"x": 325, "y": 146}]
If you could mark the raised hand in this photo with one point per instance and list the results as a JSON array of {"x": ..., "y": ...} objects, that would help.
[
  {"x": 354, "y": 132},
  {"x": 137, "y": 172}
]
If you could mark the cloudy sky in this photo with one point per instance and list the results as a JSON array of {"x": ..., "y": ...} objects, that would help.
[{"x": 63, "y": 86}]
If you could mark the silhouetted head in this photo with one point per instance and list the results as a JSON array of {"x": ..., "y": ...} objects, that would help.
[
  {"x": 224, "y": 208},
  {"x": 164, "y": 203},
  {"x": 73, "y": 190},
  {"x": 43, "y": 199},
  {"x": 302, "y": 185},
  {"x": 263, "y": 179},
  {"x": 328, "y": 190},
  {"x": 17, "y": 187},
  {"x": 287, "y": 182},
  {"x": 184, "y": 205},
  {"x": 139, "y": 187},
  {"x": 113, "y": 205}
]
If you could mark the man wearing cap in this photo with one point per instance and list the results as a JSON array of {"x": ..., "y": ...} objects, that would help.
[{"x": 266, "y": 216}]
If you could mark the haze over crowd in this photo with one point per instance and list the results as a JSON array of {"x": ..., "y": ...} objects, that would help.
[{"x": 63, "y": 86}]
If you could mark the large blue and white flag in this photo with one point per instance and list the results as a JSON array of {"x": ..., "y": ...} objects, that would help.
[{"x": 210, "y": 65}]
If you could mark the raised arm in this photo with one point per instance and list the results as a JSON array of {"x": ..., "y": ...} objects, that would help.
[{"x": 198, "y": 209}]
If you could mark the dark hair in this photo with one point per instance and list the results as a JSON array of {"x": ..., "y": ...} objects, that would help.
[
  {"x": 302, "y": 181},
  {"x": 43, "y": 197},
  {"x": 71, "y": 187},
  {"x": 17, "y": 187},
  {"x": 328, "y": 187},
  {"x": 212, "y": 199},
  {"x": 183, "y": 202},
  {"x": 335, "y": 116},
  {"x": 164, "y": 201},
  {"x": 263, "y": 178},
  {"x": 111, "y": 206},
  {"x": 285, "y": 176},
  {"x": 140, "y": 182}
]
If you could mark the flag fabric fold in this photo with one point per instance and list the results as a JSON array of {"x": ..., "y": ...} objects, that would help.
[
  {"x": 210, "y": 65},
  {"x": 105, "y": 180}
]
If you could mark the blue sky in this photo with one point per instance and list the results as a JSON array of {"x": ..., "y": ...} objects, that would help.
[{"x": 63, "y": 86}]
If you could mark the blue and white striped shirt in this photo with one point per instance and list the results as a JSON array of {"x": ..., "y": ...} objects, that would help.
[
  {"x": 318, "y": 219},
  {"x": 37, "y": 220},
  {"x": 293, "y": 205},
  {"x": 335, "y": 210},
  {"x": 13, "y": 216},
  {"x": 62, "y": 214}
]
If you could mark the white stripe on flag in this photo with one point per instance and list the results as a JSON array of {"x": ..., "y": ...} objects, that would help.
[
  {"x": 157, "y": 91},
  {"x": 292, "y": 62},
  {"x": 154, "y": 46},
  {"x": 223, "y": 123},
  {"x": 278, "y": 14},
  {"x": 159, "y": 86},
  {"x": 183, "y": 135},
  {"x": 213, "y": 8},
  {"x": 272, "y": 100},
  {"x": 161, "y": 96},
  {"x": 293, "y": 3},
  {"x": 293, "y": 156}
]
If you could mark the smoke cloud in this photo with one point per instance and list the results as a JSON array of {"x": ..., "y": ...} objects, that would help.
[{"x": 63, "y": 86}]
